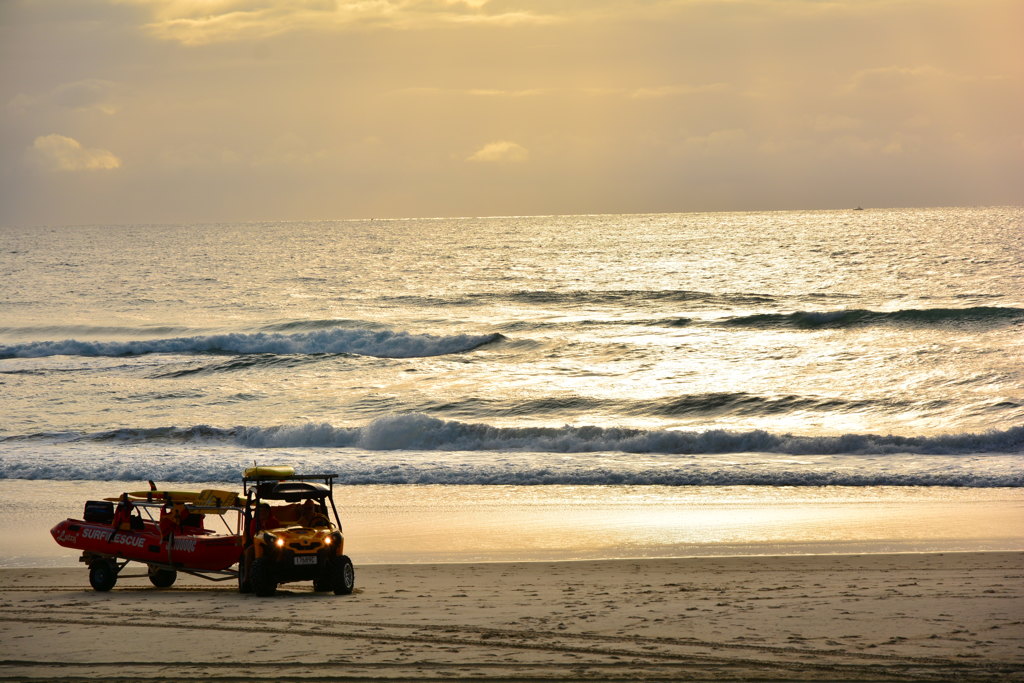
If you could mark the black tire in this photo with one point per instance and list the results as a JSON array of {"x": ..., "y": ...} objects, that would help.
[
  {"x": 244, "y": 571},
  {"x": 102, "y": 574},
  {"x": 343, "y": 575},
  {"x": 261, "y": 577},
  {"x": 162, "y": 578}
]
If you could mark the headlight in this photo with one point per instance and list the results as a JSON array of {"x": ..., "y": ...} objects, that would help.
[
  {"x": 279, "y": 543},
  {"x": 328, "y": 540},
  {"x": 270, "y": 538}
]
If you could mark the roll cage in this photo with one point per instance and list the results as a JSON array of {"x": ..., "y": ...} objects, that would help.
[{"x": 291, "y": 489}]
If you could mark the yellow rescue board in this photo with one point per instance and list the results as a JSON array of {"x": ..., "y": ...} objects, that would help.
[
  {"x": 215, "y": 498},
  {"x": 270, "y": 472},
  {"x": 175, "y": 496}
]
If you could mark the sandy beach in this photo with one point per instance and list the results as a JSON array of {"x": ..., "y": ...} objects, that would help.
[{"x": 950, "y": 616}]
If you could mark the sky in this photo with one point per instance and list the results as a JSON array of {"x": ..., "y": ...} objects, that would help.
[{"x": 198, "y": 111}]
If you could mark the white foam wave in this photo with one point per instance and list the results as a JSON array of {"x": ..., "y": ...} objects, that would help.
[
  {"x": 414, "y": 431},
  {"x": 419, "y": 432},
  {"x": 418, "y": 449},
  {"x": 378, "y": 343},
  {"x": 224, "y": 463}
]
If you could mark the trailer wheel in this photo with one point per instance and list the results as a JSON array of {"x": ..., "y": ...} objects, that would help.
[
  {"x": 162, "y": 578},
  {"x": 102, "y": 574},
  {"x": 261, "y": 577},
  {"x": 343, "y": 575}
]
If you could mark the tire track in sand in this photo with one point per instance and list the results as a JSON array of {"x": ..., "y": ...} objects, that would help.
[{"x": 644, "y": 652}]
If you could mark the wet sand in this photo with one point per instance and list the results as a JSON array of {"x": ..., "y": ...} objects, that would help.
[{"x": 933, "y": 617}]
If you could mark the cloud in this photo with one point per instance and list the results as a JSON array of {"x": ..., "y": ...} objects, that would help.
[
  {"x": 200, "y": 22},
  {"x": 501, "y": 152},
  {"x": 61, "y": 153}
]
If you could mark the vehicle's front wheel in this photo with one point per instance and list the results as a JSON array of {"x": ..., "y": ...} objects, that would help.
[
  {"x": 261, "y": 577},
  {"x": 102, "y": 574},
  {"x": 162, "y": 578},
  {"x": 343, "y": 575}
]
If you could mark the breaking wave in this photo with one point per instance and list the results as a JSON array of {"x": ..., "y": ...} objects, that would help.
[
  {"x": 417, "y": 449},
  {"x": 377, "y": 343},
  {"x": 419, "y": 432}
]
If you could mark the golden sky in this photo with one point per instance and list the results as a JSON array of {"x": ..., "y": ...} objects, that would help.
[{"x": 129, "y": 111}]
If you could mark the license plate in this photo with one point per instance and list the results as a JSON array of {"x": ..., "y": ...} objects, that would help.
[{"x": 305, "y": 559}]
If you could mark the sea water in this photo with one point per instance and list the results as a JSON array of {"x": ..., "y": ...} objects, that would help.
[{"x": 576, "y": 363}]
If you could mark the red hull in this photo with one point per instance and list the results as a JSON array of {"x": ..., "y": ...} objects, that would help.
[{"x": 203, "y": 551}]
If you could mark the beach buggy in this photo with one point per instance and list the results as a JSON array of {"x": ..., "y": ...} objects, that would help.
[
  {"x": 206, "y": 533},
  {"x": 294, "y": 533}
]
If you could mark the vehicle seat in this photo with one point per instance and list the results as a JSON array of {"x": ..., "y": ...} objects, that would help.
[{"x": 288, "y": 515}]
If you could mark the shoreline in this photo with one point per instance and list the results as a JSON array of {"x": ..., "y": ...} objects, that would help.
[{"x": 885, "y": 617}]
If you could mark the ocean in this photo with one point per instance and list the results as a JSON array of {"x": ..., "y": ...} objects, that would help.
[{"x": 667, "y": 355}]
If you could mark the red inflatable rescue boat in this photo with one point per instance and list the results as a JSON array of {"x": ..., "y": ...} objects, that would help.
[{"x": 197, "y": 533}]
